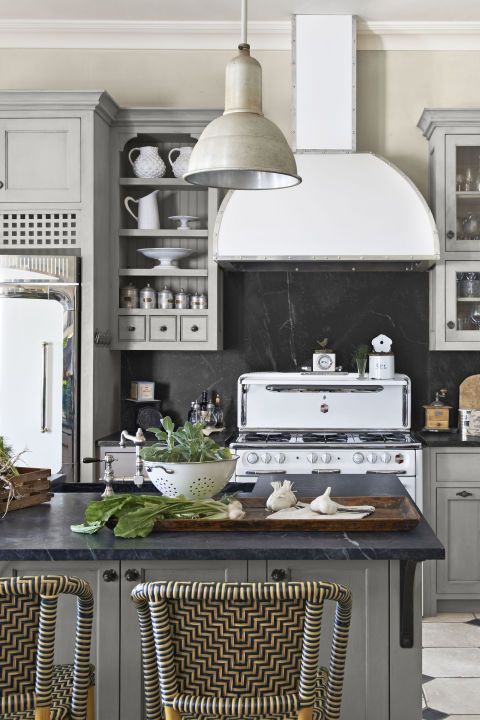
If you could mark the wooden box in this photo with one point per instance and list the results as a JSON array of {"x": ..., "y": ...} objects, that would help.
[
  {"x": 32, "y": 487},
  {"x": 436, "y": 417}
]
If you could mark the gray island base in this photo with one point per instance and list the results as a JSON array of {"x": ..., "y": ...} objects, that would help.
[{"x": 383, "y": 679}]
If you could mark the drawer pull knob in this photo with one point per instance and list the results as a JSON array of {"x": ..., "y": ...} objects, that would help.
[
  {"x": 163, "y": 328},
  {"x": 131, "y": 328},
  {"x": 464, "y": 494},
  {"x": 450, "y": 234},
  {"x": 450, "y": 324},
  {"x": 132, "y": 575},
  {"x": 194, "y": 328},
  {"x": 110, "y": 575},
  {"x": 1, "y": 184},
  {"x": 278, "y": 575}
]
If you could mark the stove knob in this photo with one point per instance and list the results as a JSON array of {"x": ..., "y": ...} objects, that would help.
[
  {"x": 385, "y": 457},
  {"x": 280, "y": 458},
  {"x": 326, "y": 457},
  {"x": 266, "y": 458},
  {"x": 252, "y": 457},
  {"x": 372, "y": 458},
  {"x": 399, "y": 458},
  {"x": 358, "y": 458},
  {"x": 312, "y": 458}
]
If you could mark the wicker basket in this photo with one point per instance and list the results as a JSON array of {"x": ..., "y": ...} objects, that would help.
[{"x": 32, "y": 487}]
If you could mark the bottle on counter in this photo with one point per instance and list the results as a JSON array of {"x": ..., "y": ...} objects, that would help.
[
  {"x": 191, "y": 411},
  {"x": 203, "y": 405},
  {"x": 210, "y": 420},
  {"x": 219, "y": 412},
  {"x": 196, "y": 413}
]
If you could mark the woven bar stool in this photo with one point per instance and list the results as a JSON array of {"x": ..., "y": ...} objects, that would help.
[
  {"x": 31, "y": 686},
  {"x": 241, "y": 650}
]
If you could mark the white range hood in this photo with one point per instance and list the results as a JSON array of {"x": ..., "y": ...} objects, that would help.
[{"x": 352, "y": 210}]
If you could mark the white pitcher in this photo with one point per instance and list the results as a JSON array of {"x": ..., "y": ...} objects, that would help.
[
  {"x": 148, "y": 217},
  {"x": 148, "y": 164},
  {"x": 180, "y": 165}
]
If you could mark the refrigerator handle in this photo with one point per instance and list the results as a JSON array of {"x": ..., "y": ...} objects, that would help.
[{"x": 43, "y": 426}]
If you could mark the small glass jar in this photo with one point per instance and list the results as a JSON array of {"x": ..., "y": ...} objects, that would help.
[{"x": 129, "y": 297}]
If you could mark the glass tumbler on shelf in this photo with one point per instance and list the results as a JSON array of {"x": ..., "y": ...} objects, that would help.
[{"x": 361, "y": 367}]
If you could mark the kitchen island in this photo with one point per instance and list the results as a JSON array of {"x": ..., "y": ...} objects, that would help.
[{"x": 383, "y": 675}]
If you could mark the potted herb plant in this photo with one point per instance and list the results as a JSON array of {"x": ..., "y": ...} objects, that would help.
[
  {"x": 186, "y": 462},
  {"x": 360, "y": 357}
]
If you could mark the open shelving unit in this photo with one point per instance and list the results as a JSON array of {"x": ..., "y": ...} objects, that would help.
[{"x": 158, "y": 329}]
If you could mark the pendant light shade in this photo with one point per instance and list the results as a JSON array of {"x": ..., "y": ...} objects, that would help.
[{"x": 242, "y": 150}]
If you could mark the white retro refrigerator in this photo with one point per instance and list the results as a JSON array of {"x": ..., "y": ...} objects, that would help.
[{"x": 39, "y": 359}]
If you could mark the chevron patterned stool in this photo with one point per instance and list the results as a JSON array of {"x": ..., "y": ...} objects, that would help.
[
  {"x": 241, "y": 650},
  {"x": 31, "y": 686}
]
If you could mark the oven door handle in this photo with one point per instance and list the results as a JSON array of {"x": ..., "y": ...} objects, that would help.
[
  {"x": 325, "y": 388},
  {"x": 324, "y": 471},
  {"x": 266, "y": 472},
  {"x": 385, "y": 472}
]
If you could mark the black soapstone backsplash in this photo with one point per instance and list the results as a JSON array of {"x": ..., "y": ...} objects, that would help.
[{"x": 272, "y": 321}]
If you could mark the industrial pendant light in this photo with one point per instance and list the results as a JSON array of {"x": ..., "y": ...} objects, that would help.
[{"x": 242, "y": 150}]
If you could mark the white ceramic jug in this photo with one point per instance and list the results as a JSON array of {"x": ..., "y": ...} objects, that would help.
[
  {"x": 148, "y": 217},
  {"x": 148, "y": 164},
  {"x": 180, "y": 165}
]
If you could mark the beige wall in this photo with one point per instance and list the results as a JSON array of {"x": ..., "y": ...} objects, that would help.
[{"x": 393, "y": 87}]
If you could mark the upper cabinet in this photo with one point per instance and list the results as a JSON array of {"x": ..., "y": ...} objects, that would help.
[
  {"x": 40, "y": 160},
  {"x": 454, "y": 196}
]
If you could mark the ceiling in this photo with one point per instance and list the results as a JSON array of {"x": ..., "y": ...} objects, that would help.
[{"x": 228, "y": 10}]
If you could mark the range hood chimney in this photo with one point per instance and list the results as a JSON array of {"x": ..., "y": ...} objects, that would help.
[{"x": 352, "y": 210}]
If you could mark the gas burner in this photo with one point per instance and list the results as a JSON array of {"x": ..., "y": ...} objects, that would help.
[
  {"x": 317, "y": 437},
  {"x": 386, "y": 437},
  {"x": 263, "y": 437}
]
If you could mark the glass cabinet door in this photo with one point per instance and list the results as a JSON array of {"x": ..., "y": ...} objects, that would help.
[
  {"x": 462, "y": 301},
  {"x": 462, "y": 191}
]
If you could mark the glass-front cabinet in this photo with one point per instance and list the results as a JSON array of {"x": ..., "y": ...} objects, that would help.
[
  {"x": 453, "y": 136},
  {"x": 462, "y": 190},
  {"x": 462, "y": 306}
]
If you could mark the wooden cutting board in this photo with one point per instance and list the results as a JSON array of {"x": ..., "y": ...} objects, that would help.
[{"x": 469, "y": 395}]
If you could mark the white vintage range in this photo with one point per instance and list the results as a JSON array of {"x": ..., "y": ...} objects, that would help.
[{"x": 322, "y": 423}]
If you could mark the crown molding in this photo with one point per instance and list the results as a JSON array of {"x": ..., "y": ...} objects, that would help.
[{"x": 275, "y": 35}]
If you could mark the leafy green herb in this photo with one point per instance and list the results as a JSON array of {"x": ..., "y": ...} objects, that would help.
[
  {"x": 136, "y": 514},
  {"x": 360, "y": 352},
  {"x": 7, "y": 458},
  {"x": 188, "y": 444}
]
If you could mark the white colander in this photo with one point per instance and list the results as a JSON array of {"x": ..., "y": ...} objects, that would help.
[{"x": 196, "y": 481}]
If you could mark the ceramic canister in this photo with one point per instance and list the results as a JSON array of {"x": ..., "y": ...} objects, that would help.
[
  {"x": 181, "y": 300},
  {"x": 129, "y": 296},
  {"x": 165, "y": 299},
  {"x": 381, "y": 366},
  {"x": 148, "y": 297}
]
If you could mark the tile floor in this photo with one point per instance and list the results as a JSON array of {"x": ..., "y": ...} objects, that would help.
[{"x": 451, "y": 667}]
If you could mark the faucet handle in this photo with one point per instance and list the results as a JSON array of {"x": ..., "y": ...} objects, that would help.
[{"x": 140, "y": 437}]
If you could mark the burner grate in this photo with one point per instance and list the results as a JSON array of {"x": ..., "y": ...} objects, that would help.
[
  {"x": 387, "y": 437},
  {"x": 281, "y": 437},
  {"x": 315, "y": 437}
]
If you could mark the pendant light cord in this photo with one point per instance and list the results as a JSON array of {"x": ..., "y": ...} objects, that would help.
[{"x": 244, "y": 20}]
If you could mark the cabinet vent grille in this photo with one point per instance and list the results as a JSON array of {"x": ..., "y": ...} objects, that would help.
[{"x": 46, "y": 228}]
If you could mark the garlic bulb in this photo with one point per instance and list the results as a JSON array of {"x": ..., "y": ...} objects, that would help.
[
  {"x": 235, "y": 510},
  {"x": 323, "y": 504},
  {"x": 282, "y": 496}
]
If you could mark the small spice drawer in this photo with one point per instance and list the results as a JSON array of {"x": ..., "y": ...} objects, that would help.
[
  {"x": 193, "y": 329},
  {"x": 131, "y": 327},
  {"x": 163, "y": 328}
]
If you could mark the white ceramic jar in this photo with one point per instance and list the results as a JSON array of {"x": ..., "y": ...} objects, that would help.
[{"x": 381, "y": 366}]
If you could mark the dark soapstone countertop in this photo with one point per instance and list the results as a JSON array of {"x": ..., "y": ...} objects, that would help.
[
  {"x": 446, "y": 439},
  {"x": 43, "y": 533}
]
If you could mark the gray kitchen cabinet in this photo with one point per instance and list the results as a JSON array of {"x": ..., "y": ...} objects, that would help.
[
  {"x": 454, "y": 197},
  {"x": 458, "y": 528},
  {"x": 104, "y": 579},
  {"x": 452, "y": 507},
  {"x": 40, "y": 159},
  {"x": 366, "y": 695},
  {"x": 131, "y": 683}
]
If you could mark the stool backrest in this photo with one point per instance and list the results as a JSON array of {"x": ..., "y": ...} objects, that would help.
[
  {"x": 28, "y": 612},
  {"x": 225, "y": 648}
]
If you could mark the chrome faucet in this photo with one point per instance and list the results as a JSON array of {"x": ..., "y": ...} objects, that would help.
[{"x": 139, "y": 441}]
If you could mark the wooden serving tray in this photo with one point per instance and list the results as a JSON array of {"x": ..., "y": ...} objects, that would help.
[{"x": 392, "y": 513}]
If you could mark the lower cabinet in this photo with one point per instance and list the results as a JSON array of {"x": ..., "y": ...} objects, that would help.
[{"x": 458, "y": 528}]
